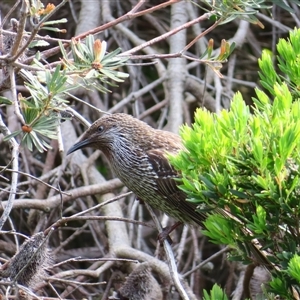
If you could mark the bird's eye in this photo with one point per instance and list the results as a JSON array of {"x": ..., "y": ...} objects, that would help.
[{"x": 100, "y": 128}]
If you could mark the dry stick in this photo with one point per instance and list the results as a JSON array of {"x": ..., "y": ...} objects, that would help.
[
  {"x": 77, "y": 115},
  {"x": 128, "y": 16},
  {"x": 170, "y": 257},
  {"x": 14, "y": 177},
  {"x": 46, "y": 176},
  {"x": 137, "y": 94},
  {"x": 69, "y": 238},
  {"x": 172, "y": 32},
  {"x": 153, "y": 109},
  {"x": 14, "y": 230},
  {"x": 182, "y": 243},
  {"x": 9, "y": 13},
  {"x": 84, "y": 102},
  {"x": 26, "y": 67},
  {"x": 205, "y": 32},
  {"x": 54, "y": 201},
  {"x": 79, "y": 259},
  {"x": 203, "y": 263},
  {"x": 166, "y": 35},
  {"x": 62, "y": 222},
  {"x": 21, "y": 27},
  {"x": 14, "y": 233},
  {"x": 176, "y": 79},
  {"x": 102, "y": 204},
  {"x": 37, "y": 37},
  {"x": 34, "y": 31},
  {"x": 78, "y": 282},
  {"x": 37, "y": 179},
  {"x": 75, "y": 272},
  {"x": 54, "y": 290}
]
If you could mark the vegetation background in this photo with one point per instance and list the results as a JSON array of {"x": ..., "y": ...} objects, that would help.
[{"x": 93, "y": 253}]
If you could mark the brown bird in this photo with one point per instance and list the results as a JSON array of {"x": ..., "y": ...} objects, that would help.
[{"x": 138, "y": 156}]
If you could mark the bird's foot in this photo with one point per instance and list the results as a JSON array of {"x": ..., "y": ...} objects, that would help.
[
  {"x": 141, "y": 201},
  {"x": 164, "y": 235}
]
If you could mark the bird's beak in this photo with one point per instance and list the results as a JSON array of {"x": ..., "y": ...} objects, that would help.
[{"x": 79, "y": 145}]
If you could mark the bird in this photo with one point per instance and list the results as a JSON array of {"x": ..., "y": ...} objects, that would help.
[{"x": 138, "y": 155}]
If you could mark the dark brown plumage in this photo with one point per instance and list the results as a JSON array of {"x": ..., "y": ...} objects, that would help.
[{"x": 137, "y": 153}]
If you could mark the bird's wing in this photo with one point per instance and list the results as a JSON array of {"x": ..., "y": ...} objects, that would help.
[{"x": 168, "y": 186}]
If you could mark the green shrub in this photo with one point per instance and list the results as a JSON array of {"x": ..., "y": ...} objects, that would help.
[{"x": 241, "y": 167}]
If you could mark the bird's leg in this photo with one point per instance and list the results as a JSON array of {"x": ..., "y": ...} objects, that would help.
[
  {"x": 166, "y": 231},
  {"x": 141, "y": 201},
  {"x": 164, "y": 234}
]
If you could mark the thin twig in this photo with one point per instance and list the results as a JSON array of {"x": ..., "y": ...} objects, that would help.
[
  {"x": 204, "y": 262},
  {"x": 20, "y": 31},
  {"x": 62, "y": 222},
  {"x": 168, "y": 34},
  {"x": 9, "y": 13},
  {"x": 170, "y": 257},
  {"x": 14, "y": 177},
  {"x": 128, "y": 16},
  {"x": 36, "y": 30},
  {"x": 79, "y": 259},
  {"x": 37, "y": 179},
  {"x": 102, "y": 204}
]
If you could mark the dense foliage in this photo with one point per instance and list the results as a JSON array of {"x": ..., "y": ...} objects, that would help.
[{"x": 242, "y": 168}]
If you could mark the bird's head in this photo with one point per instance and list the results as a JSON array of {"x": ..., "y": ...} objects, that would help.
[{"x": 107, "y": 132}]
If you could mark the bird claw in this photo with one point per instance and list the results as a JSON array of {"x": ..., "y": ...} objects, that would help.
[{"x": 164, "y": 235}]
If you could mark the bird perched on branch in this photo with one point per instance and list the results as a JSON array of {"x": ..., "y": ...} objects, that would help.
[{"x": 138, "y": 156}]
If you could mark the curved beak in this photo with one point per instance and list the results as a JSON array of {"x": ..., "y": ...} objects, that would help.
[{"x": 79, "y": 145}]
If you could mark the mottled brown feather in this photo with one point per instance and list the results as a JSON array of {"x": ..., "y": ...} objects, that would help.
[
  {"x": 138, "y": 156},
  {"x": 168, "y": 186}
]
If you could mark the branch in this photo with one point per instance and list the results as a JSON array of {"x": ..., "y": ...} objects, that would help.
[
  {"x": 14, "y": 177},
  {"x": 54, "y": 201}
]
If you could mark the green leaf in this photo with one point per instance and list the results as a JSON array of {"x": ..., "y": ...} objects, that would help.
[
  {"x": 13, "y": 134},
  {"x": 294, "y": 267},
  {"x": 4, "y": 100},
  {"x": 219, "y": 230},
  {"x": 216, "y": 293},
  {"x": 113, "y": 75},
  {"x": 63, "y": 20},
  {"x": 39, "y": 43}
]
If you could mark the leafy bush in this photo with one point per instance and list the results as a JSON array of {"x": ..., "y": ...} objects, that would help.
[{"x": 241, "y": 167}]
